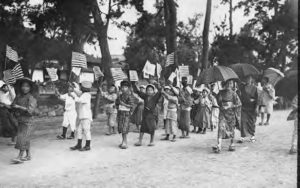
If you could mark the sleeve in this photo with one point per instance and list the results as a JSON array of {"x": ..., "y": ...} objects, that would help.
[
  {"x": 63, "y": 97},
  {"x": 84, "y": 98},
  {"x": 140, "y": 94},
  {"x": 31, "y": 105},
  {"x": 236, "y": 100},
  {"x": 111, "y": 97}
]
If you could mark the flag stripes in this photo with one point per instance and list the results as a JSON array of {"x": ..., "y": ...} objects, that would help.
[
  {"x": 170, "y": 59},
  {"x": 118, "y": 74},
  {"x": 11, "y": 54},
  {"x": 79, "y": 60},
  {"x": 17, "y": 72},
  {"x": 8, "y": 77}
]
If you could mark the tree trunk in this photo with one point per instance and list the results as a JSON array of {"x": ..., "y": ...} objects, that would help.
[
  {"x": 230, "y": 19},
  {"x": 205, "y": 62},
  {"x": 106, "y": 60},
  {"x": 171, "y": 22}
]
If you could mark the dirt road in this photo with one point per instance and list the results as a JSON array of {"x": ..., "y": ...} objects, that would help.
[{"x": 185, "y": 163}]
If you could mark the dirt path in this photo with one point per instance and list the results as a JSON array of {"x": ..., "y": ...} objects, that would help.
[{"x": 185, "y": 163}]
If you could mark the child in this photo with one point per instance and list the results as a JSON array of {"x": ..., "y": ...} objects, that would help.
[
  {"x": 137, "y": 115},
  {"x": 110, "y": 108},
  {"x": 24, "y": 105},
  {"x": 70, "y": 114},
  {"x": 186, "y": 102},
  {"x": 124, "y": 106},
  {"x": 83, "y": 98},
  {"x": 171, "y": 118},
  {"x": 196, "y": 95},
  {"x": 149, "y": 122},
  {"x": 203, "y": 117}
]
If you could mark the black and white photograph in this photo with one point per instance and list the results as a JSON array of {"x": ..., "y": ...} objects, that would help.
[{"x": 149, "y": 93}]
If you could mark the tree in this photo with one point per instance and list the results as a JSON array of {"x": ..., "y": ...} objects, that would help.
[{"x": 205, "y": 62}]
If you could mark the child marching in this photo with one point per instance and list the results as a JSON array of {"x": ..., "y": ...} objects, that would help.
[{"x": 83, "y": 97}]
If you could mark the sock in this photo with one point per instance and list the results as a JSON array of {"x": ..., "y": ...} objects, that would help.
[{"x": 64, "y": 132}]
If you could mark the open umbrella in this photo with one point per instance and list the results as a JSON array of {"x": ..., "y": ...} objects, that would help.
[
  {"x": 288, "y": 86},
  {"x": 216, "y": 73},
  {"x": 244, "y": 69},
  {"x": 274, "y": 75}
]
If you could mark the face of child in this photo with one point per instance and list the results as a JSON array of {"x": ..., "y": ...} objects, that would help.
[
  {"x": 25, "y": 87},
  {"x": 150, "y": 91},
  {"x": 104, "y": 87},
  {"x": 204, "y": 93},
  {"x": 124, "y": 89},
  {"x": 230, "y": 84}
]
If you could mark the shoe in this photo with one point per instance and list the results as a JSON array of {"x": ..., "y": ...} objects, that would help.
[
  {"x": 85, "y": 148},
  {"x": 216, "y": 149},
  {"x": 293, "y": 151},
  {"x": 27, "y": 158},
  {"x": 173, "y": 140},
  {"x": 17, "y": 161},
  {"x": 124, "y": 147},
  {"x": 164, "y": 139},
  {"x": 108, "y": 134},
  {"x": 240, "y": 141},
  {"x": 138, "y": 144},
  {"x": 75, "y": 147},
  {"x": 182, "y": 137},
  {"x": 267, "y": 123},
  {"x": 260, "y": 124},
  {"x": 151, "y": 144},
  {"x": 61, "y": 137},
  {"x": 70, "y": 137},
  {"x": 231, "y": 148}
]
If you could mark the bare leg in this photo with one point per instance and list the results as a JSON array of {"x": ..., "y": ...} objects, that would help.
[
  {"x": 262, "y": 115},
  {"x": 139, "y": 143},
  {"x": 268, "y": 118},
  {"x": 151, "y": 140}
]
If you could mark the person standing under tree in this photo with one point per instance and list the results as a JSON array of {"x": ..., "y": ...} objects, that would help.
[
  {"x": 228, "y": 102},
  {"x": 150, "y": 114},
  {"x": 83, "y": 98},
  {"x": 249, "y": 99},
  {"x": 266, "y": 99},
  {"x": 24, "y": 106},
  {"x": 70, "y": 114},
  {"x": 185, "y": 101},
  {"x": 124, "y": 105}
]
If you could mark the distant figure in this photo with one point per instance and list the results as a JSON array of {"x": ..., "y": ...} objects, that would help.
[
  {"x": 24, "y": 106},
  {"x": 294, "y": 116},
  {"x": 266, "y": 100},
  {"x": 249, "y": 99}
]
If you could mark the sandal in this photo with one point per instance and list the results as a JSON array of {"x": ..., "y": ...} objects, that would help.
[
  {"x": 216, "y": 149},
  {"x": 27, "y": 158},
  {"x": 231, "y": 148},
  {"x": 17, "y": 161},
  {"x": 138, "y": 144},
  {"x": 60, "y": 137}
]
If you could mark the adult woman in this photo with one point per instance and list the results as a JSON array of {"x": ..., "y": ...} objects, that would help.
[
  {"x": 25, "y": 105},
  {"x": 228, "y": 102},
  {"x": 249, "y": 98}
]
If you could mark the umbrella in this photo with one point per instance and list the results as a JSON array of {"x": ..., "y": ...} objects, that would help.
[
  {"x": 274, "y": 75},
  {"x": 288, "y": 86},
  {"x": 243, "y": 70},
  {"x": 216, "y": 73}
]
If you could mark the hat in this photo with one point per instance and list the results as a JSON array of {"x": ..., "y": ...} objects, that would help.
[
  {"x": 125, "y": 83},
  {"x": 150, "y": 85},
  {"x": 2, "y": 83},
  {"x": 86, "y": 84},
  {"x": 205, "y": 89}
]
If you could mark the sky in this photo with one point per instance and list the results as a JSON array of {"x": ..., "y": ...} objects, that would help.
[{"x": 185, "y": 10}]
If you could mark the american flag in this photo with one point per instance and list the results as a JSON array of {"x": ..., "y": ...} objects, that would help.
[
  {"x": 8, "y": 77},
  {"x": 97, "y": 71},
  {"x": 118, "y": 74},
  {"x": 11, "y": 54},
  {"x": 17, "y": 72},
  {"x": 52, "y": 72},
  {"x": 184, "y": 71},
  {"x": 170, "y": 59},
  {"x": 78, "y": 60}
]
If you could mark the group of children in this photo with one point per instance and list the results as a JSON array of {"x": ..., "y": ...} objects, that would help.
[{"x": 182, "y": 107}]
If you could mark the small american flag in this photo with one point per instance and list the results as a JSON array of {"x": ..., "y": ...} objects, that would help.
[
  {"x": 11, "y": 54},
  {"x": 78, "y": 60},
  {"x": 118, "y": 74},
  {"x": 52, "y": 72},
  {"x": 170, "y": 59},
  {"x": 98, "y": 73},
  {"x": 17, "y": 72},
  {"x": 8, "y": 77}
]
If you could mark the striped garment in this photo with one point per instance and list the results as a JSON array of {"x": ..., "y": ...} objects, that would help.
[
  {"x": 8, "y": 77},
  {"x": 118, "y": 74},
  {"x": 79, "y": 60},
  {"x": 11, "y": 54},
  {"x": 170, "y": 59}
]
